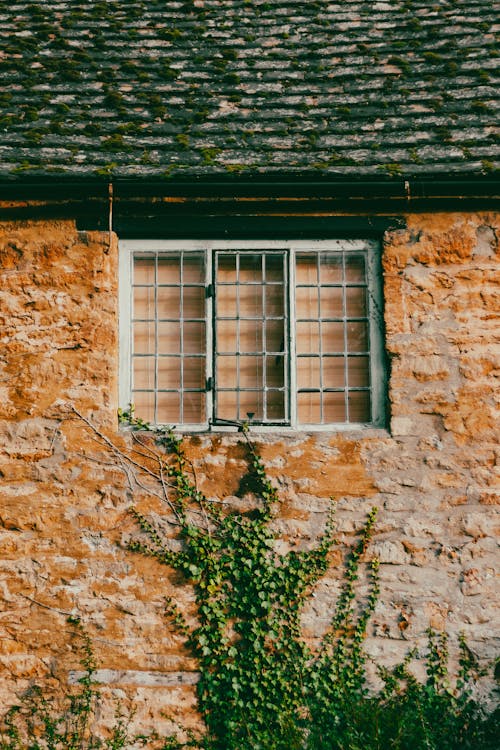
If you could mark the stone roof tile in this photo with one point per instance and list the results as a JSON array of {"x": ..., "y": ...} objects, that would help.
[{"x": 211, "y": 87}]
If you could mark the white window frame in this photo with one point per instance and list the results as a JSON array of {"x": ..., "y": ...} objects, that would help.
[{"x": 128, "y": 249}]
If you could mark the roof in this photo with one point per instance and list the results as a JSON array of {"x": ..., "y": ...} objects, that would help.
[{"x": 342, "y": 89}]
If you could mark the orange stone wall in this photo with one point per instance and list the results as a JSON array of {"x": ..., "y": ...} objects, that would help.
[{"x": 63, "y": 505}]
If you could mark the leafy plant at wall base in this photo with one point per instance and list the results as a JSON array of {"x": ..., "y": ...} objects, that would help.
[{"x": 41, "y": 723}]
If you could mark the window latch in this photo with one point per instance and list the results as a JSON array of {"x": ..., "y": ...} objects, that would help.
[{"x": 209, "y": 384}]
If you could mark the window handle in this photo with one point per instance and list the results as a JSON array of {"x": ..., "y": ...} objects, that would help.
[{"x": 209, "y": 384}]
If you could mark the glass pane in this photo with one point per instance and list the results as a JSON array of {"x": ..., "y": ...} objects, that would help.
[
  {"x": 309, "y": 408},
  {"x": 169, "y": 270},
  {"x": 194, "y": 337},
  {"x": 355, "y": 269},
  {"x": 307, "y": 337},
  {"x": 169, "y": 372},
  {"x": 251, "y": 372},
  {"x": 332, "y": 337},
  {"x": 227, "y": 407},
  {"x": 306, "y": 302},
  {"x": 275, "y": 302},
  {"x": 275, "y": 336},
  {"x": 169, "y": 338},
  {"x": 275, "y": 405},
  {"x": 275, "y": 371},
  {"x": 144, "y": 270},
  {"x": 144, "y": 372},
  {"x": 333, "y": 372},
  {"x": 144, "y": 405},
  {"x": 357, "y": 337},
  {"x": 193, "y": 301},
  {"x": 144, "y": 302},
  {"x": 194, "y": 408},
  {"x": 356, "y": 302},
  {"x": 226, "y": 336},
  {"x": 306, "y": 269},
  {"x": 251, "y": 405},
  {"x": 359, "y": 371},
  {"x": 308, "y": 372},
  {"x": 169, "y": 302},
  {"x": 331, "y": 302},
  {"x": 251, "y": 300},
  {"x": 194, "y": 269},
  {"x": 334, "y": 407},
  {"x": 227, "y": 372},
  {"x": 226, "y": 301},
  {"x": 331, "y": 269},
  {"x": 359, "y": 406},
  {"x": 194, "y": 372},
  {"x": 250, "y": 267},
  {"x": 168, "y": 408},
  {"x": 144, "y": 338},
  {"x": 250, "y": 336},
  {"x": 226, "y": 268},
  {"x": 274, "y": 267}
]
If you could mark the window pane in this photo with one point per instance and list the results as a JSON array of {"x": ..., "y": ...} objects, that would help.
[
  {"x": 275, "y": 303},
  {"x": 194, "y": 337},
  {"x": 193, "y": 302},
  {"x": 144, "y": 405},
  {"x": 250, "y": 267},
  {"x": 194, "y": 269},
  {"x": 168, "y": 408},
  {"x": 334, "y": 407},
  {"x": 275, "y": 405},
  {"x": 331, "y": 302},
  {"x": 356, "y": 302},
  {"x": 275, "y": 371},
  {"x": 227, "y": 405},
  {"x": 251, "y": 300},
  {"x": 144, "y": 372},
  {"x": 308, "y": 372},
  {"x": 275, "y": 335},
  {"x": 169, "y": 338},
  {"x": 194, "y": 372},
  {"x": 306, "y": 301},
  {"x": 307, "y": 337},
  {"x": 144, "y": 302},
  {"x": 169, "y": 302},
  {"x": 273, "y": 267},
  {"x": 169, "y": 372},
  {"x": 169, "y": 270},
  {"x": 251, "y": 405},
  {"x": 194, "y": 408},
  {"x": 355, "y": 269},
  {"x": 331, "y": 269},
  {"x": 226, "y": 336},
  {"x": 332, "y": 337},
  {"x": 226, "y": 301},
  {"x": 359, "y": 406},
  {"x": 226, "y": 268},
  {"x": 144, "y": 270},
  {"x": 306, "y": 269},
  {"x": 250, "y": 372},
  {"x": 227, "y": 372},
  {"x": 357, "y": 337},
  {"x": 359, "y": 373},
  {"x": 333, "y": 372},
  {"x": 309, "y": 408},
  {"x": 250, "y": 335},
  {"x": 144, "y": 338}
]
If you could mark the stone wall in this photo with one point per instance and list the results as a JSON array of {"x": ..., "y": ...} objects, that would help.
[{"x": 63, "y": 509}]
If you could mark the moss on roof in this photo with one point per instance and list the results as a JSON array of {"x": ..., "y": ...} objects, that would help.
[{"x": 209, "y": 87}]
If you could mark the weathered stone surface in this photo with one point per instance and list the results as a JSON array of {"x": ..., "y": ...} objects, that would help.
[{"x": 434, "y": 475}]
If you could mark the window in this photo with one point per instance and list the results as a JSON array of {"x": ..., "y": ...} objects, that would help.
[{"x": 275, "y": 333}]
